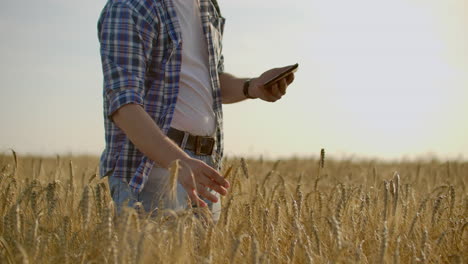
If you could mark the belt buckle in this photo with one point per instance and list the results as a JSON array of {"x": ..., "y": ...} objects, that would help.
[{"x": 201, "y": 142}]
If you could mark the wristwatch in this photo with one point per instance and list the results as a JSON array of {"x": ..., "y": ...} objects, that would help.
[{"x": 246, "y": 89}]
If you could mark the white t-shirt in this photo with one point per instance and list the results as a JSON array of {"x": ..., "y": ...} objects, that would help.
[{"x": 194, "y": 108}]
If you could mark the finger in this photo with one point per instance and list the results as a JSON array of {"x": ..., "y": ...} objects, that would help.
[
  {"x": 214, "y": 176},
  {"x": 282, "y": 86},
  {"x": 290, "y": 78},
  {"x": 268, "y": 93},
  {"x": 275, "y": 91},
  {"x": 205, "y": 181},
  {"x": 267, "y": 96},
  {"x": 194, "y": 198},
  {"x": 189, "y": 186},
  {"x": 201, "y": 190}
]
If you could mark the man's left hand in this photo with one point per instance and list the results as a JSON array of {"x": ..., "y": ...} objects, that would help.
[{"x": 274, "y": 92}]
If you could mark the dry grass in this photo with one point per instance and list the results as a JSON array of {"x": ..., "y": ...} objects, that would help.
[{"x": 295, "y": 211}]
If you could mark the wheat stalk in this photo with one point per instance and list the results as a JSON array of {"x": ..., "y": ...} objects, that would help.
[
  {"x": 174, "y": 176},
  {"x": 265, "y": 219},
  {"x": 85, "y": 206},
  {"x": 383, "y": 243},
  {"x": 435, "y": 210},
  {"x": 396, "y": 187},
  {"x": 385, "y": 207},
  {"x": 245, "y": 170}
]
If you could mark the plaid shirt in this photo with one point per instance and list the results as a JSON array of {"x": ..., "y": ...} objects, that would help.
[{"x": 141, "y": 61}]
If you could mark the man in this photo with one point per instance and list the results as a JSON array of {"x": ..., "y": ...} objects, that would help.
[{"x": 164, "y": 83}]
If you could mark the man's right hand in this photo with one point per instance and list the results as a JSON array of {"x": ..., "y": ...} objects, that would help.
[{"x": 196, "y": 176}]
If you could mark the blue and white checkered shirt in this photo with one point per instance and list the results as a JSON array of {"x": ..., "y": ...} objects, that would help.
[{"x": 141, "y": 61}]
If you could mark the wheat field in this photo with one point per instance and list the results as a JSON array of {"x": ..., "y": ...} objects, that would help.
[{"x": 57, "y": 210}]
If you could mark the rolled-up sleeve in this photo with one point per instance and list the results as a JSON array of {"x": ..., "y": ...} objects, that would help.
[{"x": 123, "y": 57}]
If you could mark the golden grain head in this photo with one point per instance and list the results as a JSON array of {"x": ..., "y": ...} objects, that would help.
[{"x": 273, "y": 214}]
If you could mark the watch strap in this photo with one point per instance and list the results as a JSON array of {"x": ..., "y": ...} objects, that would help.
[{"x": 246, "y": 89}]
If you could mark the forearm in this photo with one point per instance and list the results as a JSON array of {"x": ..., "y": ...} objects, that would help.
[
  {"x": 231, "y": 88},
  {"x": 146, "y": 135}
]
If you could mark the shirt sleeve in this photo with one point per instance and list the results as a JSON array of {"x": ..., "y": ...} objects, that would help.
[{"x": 123, "y": 57}]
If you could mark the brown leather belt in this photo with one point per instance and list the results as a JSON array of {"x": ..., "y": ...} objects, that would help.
[{"x": 200, "y": 145}]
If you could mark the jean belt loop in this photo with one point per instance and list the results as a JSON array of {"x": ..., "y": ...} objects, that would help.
[{"x": 184, "y": 141}]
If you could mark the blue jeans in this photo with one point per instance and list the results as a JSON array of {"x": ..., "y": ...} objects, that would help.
[{"x": 155, "y": 193}]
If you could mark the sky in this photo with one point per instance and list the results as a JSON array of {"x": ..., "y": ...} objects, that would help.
[{"x": 377, "y": 79}]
